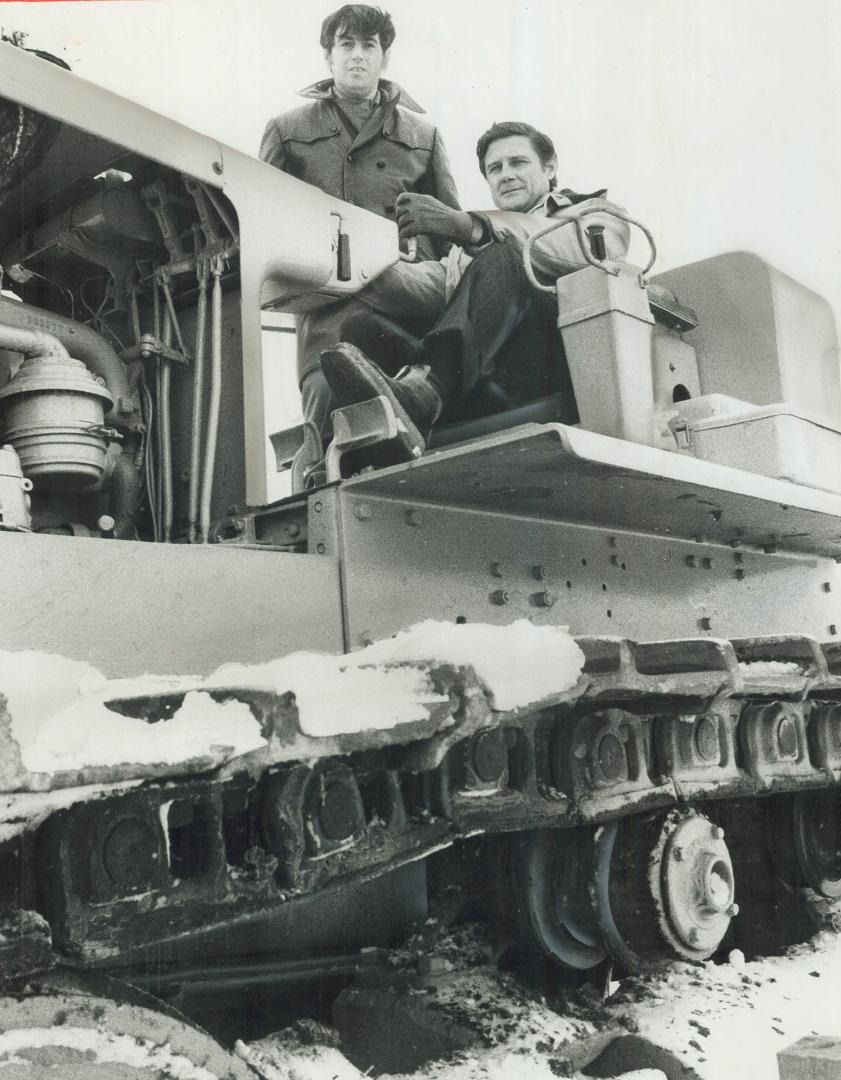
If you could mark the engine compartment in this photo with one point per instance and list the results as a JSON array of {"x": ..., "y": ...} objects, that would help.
[{"x": 117, "y": 317}]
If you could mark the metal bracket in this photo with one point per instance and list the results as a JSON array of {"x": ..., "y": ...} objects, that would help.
[
  {"x": 299, "y": 449},
  {"x": 149, "y": 345},
  {"x": 367, "y": 424}
]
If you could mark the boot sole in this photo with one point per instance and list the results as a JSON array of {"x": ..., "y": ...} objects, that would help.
[{"x": 353, "y": 378}]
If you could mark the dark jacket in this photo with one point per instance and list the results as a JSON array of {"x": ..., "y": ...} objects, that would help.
[{"x": 396, "y": 151}]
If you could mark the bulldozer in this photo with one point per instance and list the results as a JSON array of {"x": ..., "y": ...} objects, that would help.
[{"x": 685, "y": 533}]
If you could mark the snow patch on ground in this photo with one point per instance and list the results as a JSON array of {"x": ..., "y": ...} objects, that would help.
[
  {"x": 513, "y": 1032},
  {"x": 732, "y": 1019},
  {"x": 278, "y": 1058}
]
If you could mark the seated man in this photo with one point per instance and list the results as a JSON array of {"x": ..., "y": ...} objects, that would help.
[{"x": 494, "y": 344}]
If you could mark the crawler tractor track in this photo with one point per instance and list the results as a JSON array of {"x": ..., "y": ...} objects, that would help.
[{"x": 625, "y": 808}]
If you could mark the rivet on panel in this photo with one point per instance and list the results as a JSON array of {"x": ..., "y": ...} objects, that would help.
[
  {"x": 362, "y": 512},
  {"x": 690, "y": 560},
  {"x": 543, "y": 599},
  {"x": 320, "y": 548},
  {"x": 499, "y": 596},
  {"x": 705, "y": 623}
]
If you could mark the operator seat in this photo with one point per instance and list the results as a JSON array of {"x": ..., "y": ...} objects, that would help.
[{"x": 667, "y": 311}]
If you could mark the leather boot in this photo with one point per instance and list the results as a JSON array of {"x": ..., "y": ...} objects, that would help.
[{"x": 353, "y": 378}]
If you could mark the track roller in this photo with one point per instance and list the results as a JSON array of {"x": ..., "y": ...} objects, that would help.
[
  {"x": 804, "y": 839},
  {"x": 663, "y": 888},
  {"x": 551, "y": 877}
]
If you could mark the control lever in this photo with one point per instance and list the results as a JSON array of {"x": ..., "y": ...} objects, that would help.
[{"x": 343, "y": 270}]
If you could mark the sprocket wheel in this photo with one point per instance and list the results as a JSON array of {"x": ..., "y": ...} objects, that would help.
[{"x": 663, "y": 889}]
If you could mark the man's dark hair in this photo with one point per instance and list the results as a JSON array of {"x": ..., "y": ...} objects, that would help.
[
  {"x": 357, "y": 20},
  {"x": 540, "y": 143}
]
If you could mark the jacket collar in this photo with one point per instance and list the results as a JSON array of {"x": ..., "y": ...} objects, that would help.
[
  {"x": 558, "y": 200},
  {"x": 392, "y": 93}
]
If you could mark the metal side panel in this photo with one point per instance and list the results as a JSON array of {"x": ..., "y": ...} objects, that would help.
[
  {"x": 406, "y": 562},
  {"x": 560, "y": 473},
  {"x": 130, "y": 608}
]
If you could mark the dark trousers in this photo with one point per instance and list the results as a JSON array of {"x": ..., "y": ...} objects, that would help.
[{"x": 494, "y": 347}]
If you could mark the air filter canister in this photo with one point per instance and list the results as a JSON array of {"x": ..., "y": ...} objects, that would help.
[{"x": 53, "y": 415}]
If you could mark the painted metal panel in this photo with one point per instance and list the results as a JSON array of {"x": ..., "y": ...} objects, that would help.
[
  {"x": 560, "y": 473},
  {"x": 53, "y": 91},
  {"x": 405, "y": 563},
  {"x": 130, "y": 608}
]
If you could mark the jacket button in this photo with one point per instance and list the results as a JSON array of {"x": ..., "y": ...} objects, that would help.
[
  {"x": 380, "y": 164},
  {"x": 390, "y": 209},
  {"x": 350, "y": 157}
]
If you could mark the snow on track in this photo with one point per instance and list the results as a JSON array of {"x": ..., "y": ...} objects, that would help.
[{"x": 59, "y": 721}]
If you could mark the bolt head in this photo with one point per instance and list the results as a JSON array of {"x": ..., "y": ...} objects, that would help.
[
  {"x": 732, "y": 911},
  {"x": 718, "y": 832},
  {"x": 677, "y": 853}
]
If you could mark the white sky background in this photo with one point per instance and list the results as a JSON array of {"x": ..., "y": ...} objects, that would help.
[{"x": 715, "y": 121}]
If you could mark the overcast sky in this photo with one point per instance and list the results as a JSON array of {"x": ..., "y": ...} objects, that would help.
[{"x": 715, "y": 121}]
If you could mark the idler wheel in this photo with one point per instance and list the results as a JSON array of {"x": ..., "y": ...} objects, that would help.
[
  {"x": 551, "y": 876},
  {"x": 663, "y": 888}
]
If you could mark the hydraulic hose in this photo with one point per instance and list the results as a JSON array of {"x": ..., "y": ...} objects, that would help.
[
  {"x": 165, "y": 428},
  {"x": 124, "y": 491},
  {"x": 198, "y": 404},
  {"x": 215, "y": 400}
]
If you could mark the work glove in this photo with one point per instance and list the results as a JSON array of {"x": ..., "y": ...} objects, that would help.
[{"x": 428, "y": 216}]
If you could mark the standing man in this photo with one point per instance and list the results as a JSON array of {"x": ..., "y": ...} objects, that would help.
[{"x": 359, "y": 137}]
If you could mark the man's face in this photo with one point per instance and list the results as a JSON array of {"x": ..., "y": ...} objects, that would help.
[
  {"x": 515, "y": 175},
  {"x": 356, "y": 64}
]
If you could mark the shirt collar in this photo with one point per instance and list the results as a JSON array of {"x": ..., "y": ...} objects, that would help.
[{"x": 390, "y": 92}]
